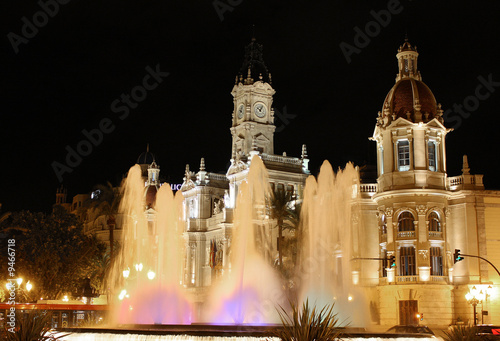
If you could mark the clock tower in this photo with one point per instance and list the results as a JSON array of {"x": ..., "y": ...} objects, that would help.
[{"x": 253, "y": 117}]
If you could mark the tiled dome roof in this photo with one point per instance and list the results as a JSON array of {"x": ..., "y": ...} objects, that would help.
[{"x": 410, "y": 95}]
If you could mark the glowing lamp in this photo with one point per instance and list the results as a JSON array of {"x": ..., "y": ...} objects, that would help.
[
  {"x": 29, "y": 286},
  {"x": 19, "y": 281},
  {"x": 126, "y": 273},
  {"x": 151, "y": 274},
  {"x": 349, "y": 298},
  {"x": 138, "y": 267},
  {"x": 122, "y": 295}
]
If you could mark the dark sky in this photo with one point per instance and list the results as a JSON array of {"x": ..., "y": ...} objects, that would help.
[{"x": 65, "y": 77}]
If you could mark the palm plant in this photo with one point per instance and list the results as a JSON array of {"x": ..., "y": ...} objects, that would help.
[
  {"x": 462, "y": 333},
  {"x": 279, "y": 209},
  {"x": 308, "y": 323},
  {"x": 32, "y": 326}
]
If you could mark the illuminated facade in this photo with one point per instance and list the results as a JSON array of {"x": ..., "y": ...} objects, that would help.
[
  {"x": 210, "y": 197},
  {"x": 420, "y": 216},
  {"x": 414, "y": 212}
]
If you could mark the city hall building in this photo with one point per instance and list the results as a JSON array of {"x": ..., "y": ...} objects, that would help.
[{"x": 414, "y": 211}]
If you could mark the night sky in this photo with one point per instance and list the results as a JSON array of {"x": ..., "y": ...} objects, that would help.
[{"x": 66, "y": 75}]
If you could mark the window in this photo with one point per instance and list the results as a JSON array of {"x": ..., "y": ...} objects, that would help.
[
  {"x": 406, "y": 65},
  {"x": 407, "y": 261},
  {"x": 403, "y": 155},
  {"x": 436, "y": 262},
  {"x": 383, "y": 225},
  {"x": 405, "y": 222},
  {"x": 289, "y": 189},
  {"x": 381, "y": 160},
  {"x": 434, "y": 223},
  {"x": 281, "y": 187},
  {"x": 383, "y": 263},
  {"x": 431, "y": 154}
]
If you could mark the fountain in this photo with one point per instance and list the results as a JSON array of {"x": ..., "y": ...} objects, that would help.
[
  {"x": 327, "y": 251},
  {"x": 147, "y": 270},
  {"x": 250, "y": 291}
]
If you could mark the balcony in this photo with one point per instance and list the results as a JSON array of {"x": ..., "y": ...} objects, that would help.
[
  {"x": 439, "y": 279},
  {"x": 435, "y": 235},
  {"x": 368, "y": 190},
  {"x": 407, "y": 279},
  {"x": 465, "y": 181},
  {"x": 406, "y": 234}
]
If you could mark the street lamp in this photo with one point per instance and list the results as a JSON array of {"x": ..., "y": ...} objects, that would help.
[{"x": 474, "y": 297}]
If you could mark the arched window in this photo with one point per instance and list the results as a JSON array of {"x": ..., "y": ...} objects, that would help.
[
  {"x": 405, "y": 222},
  {"x": 434, "y": 223},
  {"x": 383, "y": 225}
]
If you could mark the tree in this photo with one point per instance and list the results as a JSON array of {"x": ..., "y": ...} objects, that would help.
[
  {"x": 279, "y": 209},
  {"x": 51, "y": 251},
  {"x": 106, "y": 201}
]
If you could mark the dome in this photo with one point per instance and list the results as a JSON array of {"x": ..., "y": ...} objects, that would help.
[{"x": 411, "y": 96}]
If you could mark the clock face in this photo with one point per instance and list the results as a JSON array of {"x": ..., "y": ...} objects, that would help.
[
  {"x": 260, "y": 110},
  {"x": 241, "y": 110}
]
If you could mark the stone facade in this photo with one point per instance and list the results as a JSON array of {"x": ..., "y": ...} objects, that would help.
[{"x": 414, "y": 211}]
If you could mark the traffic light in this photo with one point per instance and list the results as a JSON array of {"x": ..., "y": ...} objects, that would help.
[
  {"x": 457, "y": 257},
  {"x": 391, "y": 262}
]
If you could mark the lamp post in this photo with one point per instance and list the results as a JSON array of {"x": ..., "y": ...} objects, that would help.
[{"x": 474, "y": 297}]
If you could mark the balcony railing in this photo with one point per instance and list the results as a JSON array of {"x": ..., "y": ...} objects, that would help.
[
  {"x": 406, "y": 279},
  {"x": 406, "y": 234},
  {"x": 438, "y": 279},
  {"x": 368, "y": 188},
  {"x": 435, "y": 234}
]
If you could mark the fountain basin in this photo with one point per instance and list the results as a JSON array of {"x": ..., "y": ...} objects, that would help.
[{"x": 211, "y": 332}]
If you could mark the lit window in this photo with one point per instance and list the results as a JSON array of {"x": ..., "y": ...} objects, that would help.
[
  {"x": 405, "y": 222},
  {"x": 431, "y": 152},
  {"x": 436, "y": 262},
  {"x": 383, "y": 225},
  {"x": 403, "y": 155},
  {"x": 407, "y": 261},
  {"x": 381, "y": 160},
  {"x": 383, "y": 263},
  {"x": 434, "y": 223}
]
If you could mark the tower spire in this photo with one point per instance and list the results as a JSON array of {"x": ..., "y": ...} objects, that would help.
[
  {"x": 253, "y": 63},
  {"x": 465, "y": 165},
  {"x": 407, "y": 61}
]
